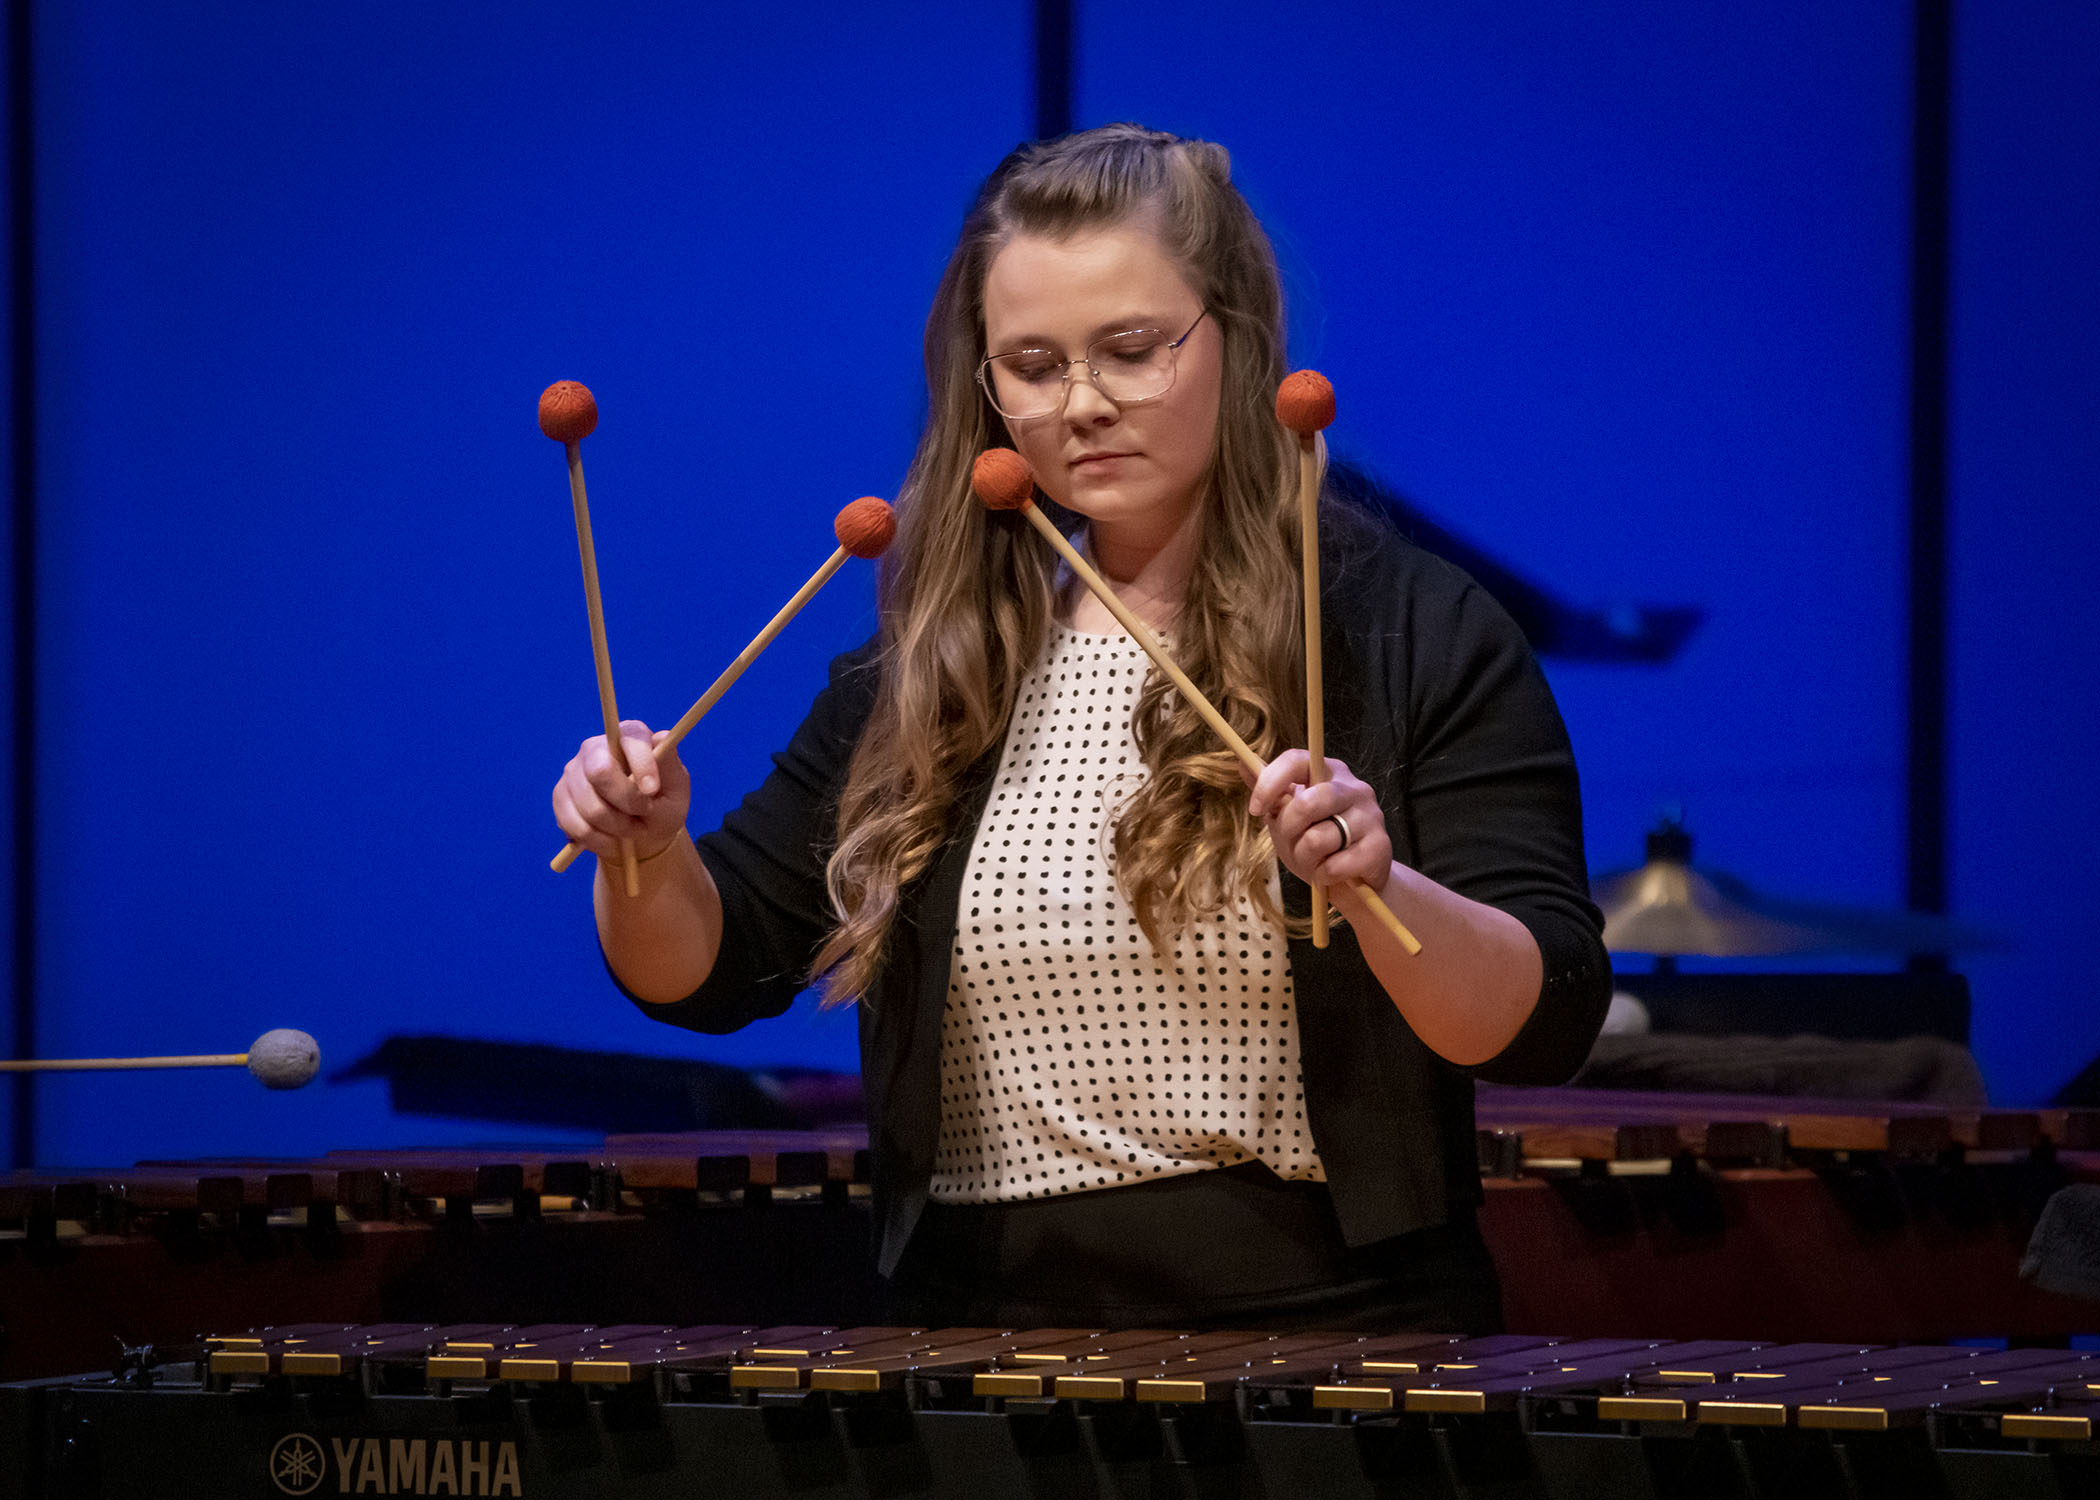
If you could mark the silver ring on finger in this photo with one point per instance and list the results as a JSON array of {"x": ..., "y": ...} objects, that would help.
[{"x": 1336, "y": 820}]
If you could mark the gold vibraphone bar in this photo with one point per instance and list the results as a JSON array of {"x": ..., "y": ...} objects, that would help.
[
  {"x": 1725, "y": 1382},
  {"x": 638, "y": 1410},
  {"x": 1815, "y": 1386}
]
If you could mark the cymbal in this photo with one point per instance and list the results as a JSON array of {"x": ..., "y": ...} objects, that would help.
[{"x": 1668, "y": 907}]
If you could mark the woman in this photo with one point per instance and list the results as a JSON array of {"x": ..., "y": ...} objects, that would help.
[{"x": 1110, "y": 1081}]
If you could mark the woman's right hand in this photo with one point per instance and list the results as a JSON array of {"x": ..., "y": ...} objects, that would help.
[{"x": 597, "y": 804}]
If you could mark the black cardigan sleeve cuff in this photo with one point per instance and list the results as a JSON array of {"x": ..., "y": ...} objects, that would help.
[
  {"x": 735, "y": 993},
  {"x": 1576, "y": 992}
]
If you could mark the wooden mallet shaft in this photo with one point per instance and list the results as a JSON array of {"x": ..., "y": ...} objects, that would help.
[
  {"x": 1140, "y": 633},
  {"x": 730, "y": 674},
  {"x": 116, "y": 1064},
  {"x": 569, "y": 414},
  {"x": 869, "y": 524},
  {"x": 1152, "y": 648},
  {"x": 750, "y": 653},
  {"x": 1305, "y": 405},
  {"x": 601, "y": 653}
]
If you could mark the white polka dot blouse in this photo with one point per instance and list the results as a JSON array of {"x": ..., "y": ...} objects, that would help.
[{"x": 1073, "y": 1054}]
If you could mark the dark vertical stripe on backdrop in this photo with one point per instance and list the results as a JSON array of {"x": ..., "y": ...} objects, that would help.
[
  {"x": 1931, "y": 133},
  {"x": 21, "y": 220},
  {"x": 1053, "y": 68}
]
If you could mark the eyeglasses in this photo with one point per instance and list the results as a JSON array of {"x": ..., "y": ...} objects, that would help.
[{"x": 1129, "y": 367}]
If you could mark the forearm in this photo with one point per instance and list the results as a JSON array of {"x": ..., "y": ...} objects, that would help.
[
  {"x": 660, "y": 944},
  {"x": 1477, "y": 979}
]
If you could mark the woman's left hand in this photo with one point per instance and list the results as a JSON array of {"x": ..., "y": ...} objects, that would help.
[{"x": 1300, "y": 819}]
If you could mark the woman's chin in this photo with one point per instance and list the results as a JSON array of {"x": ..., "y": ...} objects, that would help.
[{"x": 1113, "y": 504}]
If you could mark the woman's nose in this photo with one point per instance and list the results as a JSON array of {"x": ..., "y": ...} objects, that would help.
[{"x": 1084, "y": 403}]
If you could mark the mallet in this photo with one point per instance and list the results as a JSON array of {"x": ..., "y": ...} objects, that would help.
[
  {"x": 281, "y": 1059},
  {"x": 569, "y": 414},
  {"x": 864, "y": 529},
  {"x": 1002, "y": 481},
  {"x": 1305, "y": 404}
]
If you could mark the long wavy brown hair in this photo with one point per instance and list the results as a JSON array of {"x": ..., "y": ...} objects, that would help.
[{"x": 966, "y": 595}]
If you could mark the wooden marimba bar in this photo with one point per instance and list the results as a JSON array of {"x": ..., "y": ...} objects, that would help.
[
  {"x": 562, "y": 1410},
  {"x": 631, "y": 1172},
  {"x": 1537, "y": 1127},
  {"x": 1608, "y": 1212},
  {"x": 1620, "y": 1212},
  {"x": 1521, "y": 1131}
]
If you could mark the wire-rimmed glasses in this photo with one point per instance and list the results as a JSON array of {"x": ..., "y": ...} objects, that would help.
[{"x": 1128, "y": 367}]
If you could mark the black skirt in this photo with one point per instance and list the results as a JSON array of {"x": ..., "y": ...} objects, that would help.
[{"x": 1235, "y": 1247}]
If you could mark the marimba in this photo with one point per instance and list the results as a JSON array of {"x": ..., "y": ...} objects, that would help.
[
  {"x": 688, "y": 1225},
  {"x": 807, "y": 1410},
  {"x": 1610, "y": 1214}
]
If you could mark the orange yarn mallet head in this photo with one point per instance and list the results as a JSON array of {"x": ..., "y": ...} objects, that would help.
[
  {"x": 1001, "y": 479},
  {"x": 1305, "y": 402},
  {"x": 866, "y": 527},
  {"x": 568, "y": 411}
]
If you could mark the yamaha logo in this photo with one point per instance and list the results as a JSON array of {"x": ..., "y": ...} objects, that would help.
[
  {"x": 297, "y": 1464},
  {"x": 300, "y": 1465}
]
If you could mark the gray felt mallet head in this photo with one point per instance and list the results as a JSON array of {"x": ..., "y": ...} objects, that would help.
[{"x": 284, "y": 1059}]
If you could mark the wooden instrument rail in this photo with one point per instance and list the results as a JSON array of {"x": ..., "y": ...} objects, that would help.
[{"x": 558, "y": 1410}]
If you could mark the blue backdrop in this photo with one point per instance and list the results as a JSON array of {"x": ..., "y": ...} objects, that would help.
[{"x": 1619, "y": 293}]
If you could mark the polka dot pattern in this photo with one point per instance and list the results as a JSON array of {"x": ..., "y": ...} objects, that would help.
[{"x": 1074, "y": 1055}]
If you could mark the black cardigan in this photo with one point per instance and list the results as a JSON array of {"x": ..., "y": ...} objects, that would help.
[{"x": 1433, "y": 698}]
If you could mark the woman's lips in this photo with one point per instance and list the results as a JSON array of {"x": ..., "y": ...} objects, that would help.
[{"x": 1094, "y": 461}]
